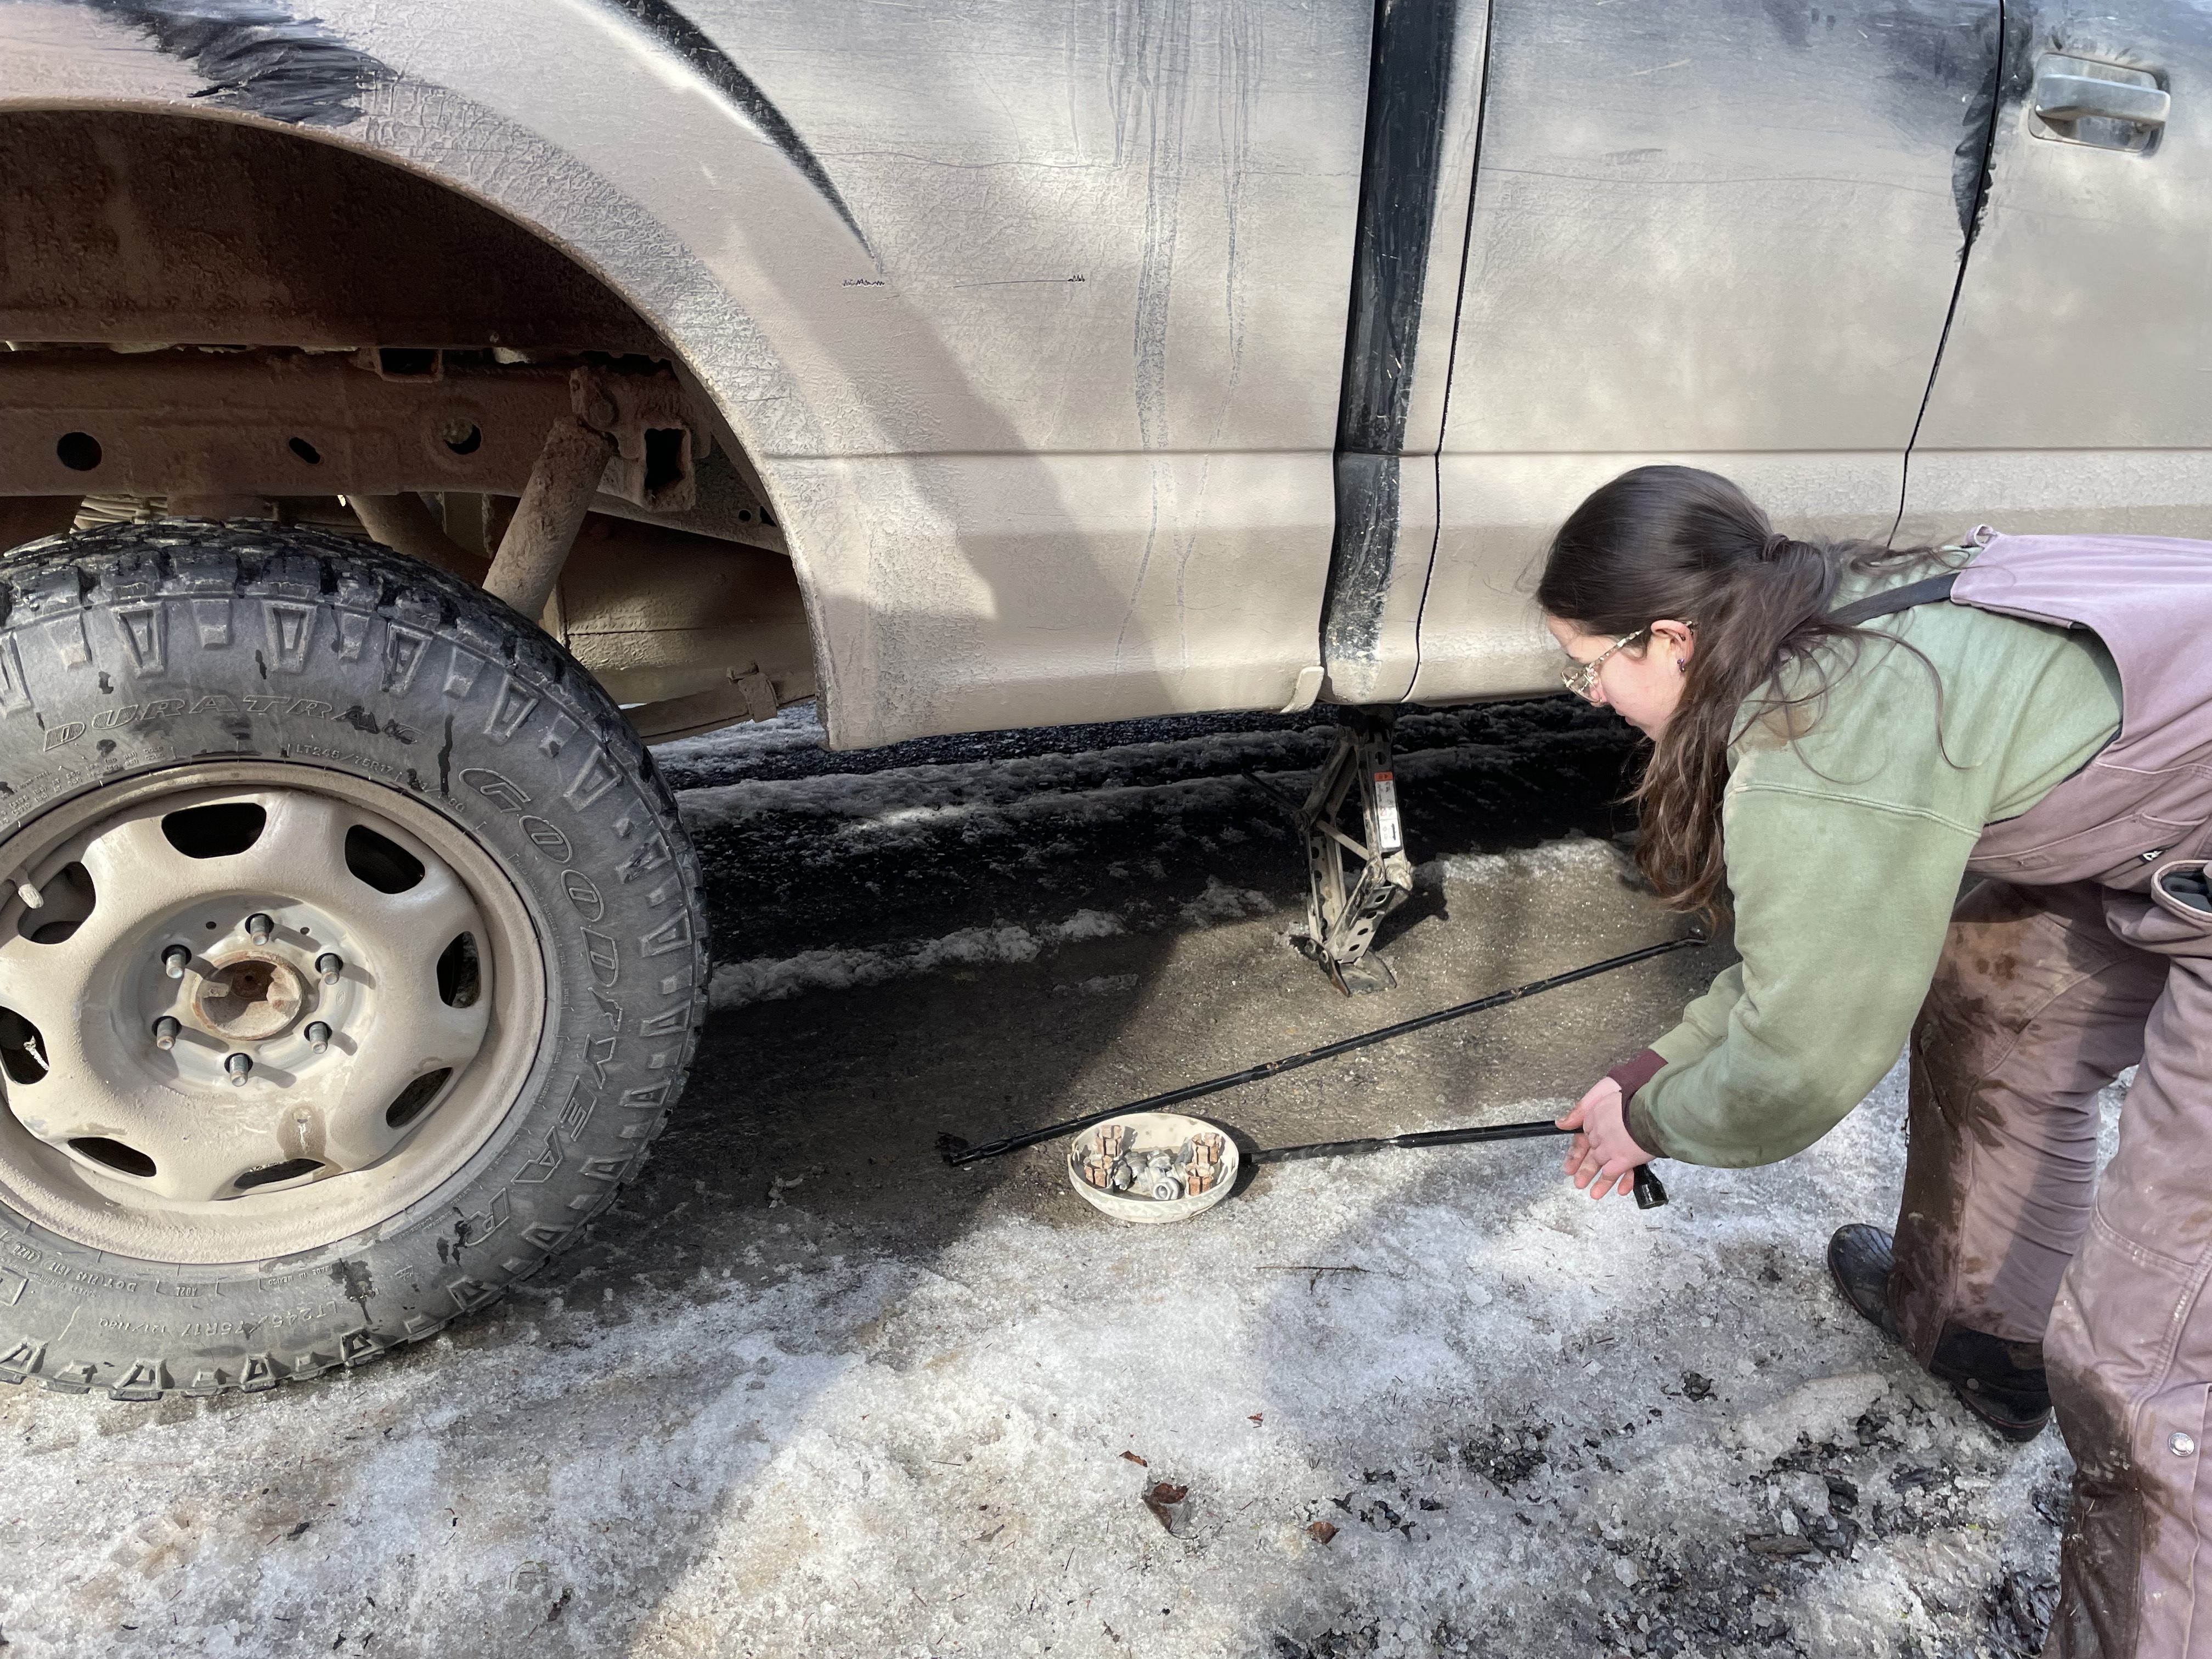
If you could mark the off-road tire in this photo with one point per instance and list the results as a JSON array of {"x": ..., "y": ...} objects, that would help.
[{"x": 137, "y": 648}]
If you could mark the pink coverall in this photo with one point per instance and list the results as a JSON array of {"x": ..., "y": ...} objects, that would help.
[{"x": 2080, "y": 955}]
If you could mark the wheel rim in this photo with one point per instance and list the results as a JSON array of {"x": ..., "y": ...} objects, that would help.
[{"x": 260, "y": 1009}]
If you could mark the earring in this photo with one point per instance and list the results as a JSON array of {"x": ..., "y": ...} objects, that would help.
[{"x": 1682, "y": 665}]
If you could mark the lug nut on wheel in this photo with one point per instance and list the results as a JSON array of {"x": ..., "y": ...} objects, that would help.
[
  {"x": 329, "y": 965},
  {"x": 175, "y": 960},
  {"x": 259, "y": 926},
  {"x": 318, "y": 1036},
  {"x": 165, "y": 1032},
  {"x": 240, "y": 1067}
]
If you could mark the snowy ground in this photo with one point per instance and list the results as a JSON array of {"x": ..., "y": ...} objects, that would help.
[{"x": 806, "y": 1392}]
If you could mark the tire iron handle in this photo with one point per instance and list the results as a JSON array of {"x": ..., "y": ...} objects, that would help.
[
  {"x": 1650, "y": 1192},
  {"x": 959, "y": 1153}
]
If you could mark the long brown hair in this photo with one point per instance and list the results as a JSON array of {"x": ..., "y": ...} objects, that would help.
[{"x": 1675, "y": 543}]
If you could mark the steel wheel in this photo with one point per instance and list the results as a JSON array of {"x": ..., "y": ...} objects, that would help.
[{"x": 260, "y": 1007}]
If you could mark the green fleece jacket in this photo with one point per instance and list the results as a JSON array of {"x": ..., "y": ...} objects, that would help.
[{"x": 1845, "y": 850}]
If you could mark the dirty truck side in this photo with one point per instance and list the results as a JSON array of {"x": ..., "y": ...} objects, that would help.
[{"x": 411, "y": 411}]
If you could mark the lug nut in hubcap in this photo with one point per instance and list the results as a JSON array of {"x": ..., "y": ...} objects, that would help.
[
  {"x": 329, "y": 965},
  {"x": 165, "y": 1032},
  {"x": 318, "y": 1036},
  {"x": 175, "y": 960},
  {"x": 260, "y": 926},
  {"x": 240, "y": 1067}
]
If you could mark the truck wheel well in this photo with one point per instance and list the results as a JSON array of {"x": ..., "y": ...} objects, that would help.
[
  {"x": 128, "y": 228},
  {"x": 348, "y": 327}
]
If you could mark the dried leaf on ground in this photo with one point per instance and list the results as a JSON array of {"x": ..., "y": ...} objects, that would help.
[
  {"x": 1169, "y": 1504},
  {"x": 1321, "y": 1532}
]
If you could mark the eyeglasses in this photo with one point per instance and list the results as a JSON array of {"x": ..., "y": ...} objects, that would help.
[{"x": 1579, "y": 678}]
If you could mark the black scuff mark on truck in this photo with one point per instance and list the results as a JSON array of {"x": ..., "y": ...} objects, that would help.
[
  {"x": 1936, "y": 65},
  {"x": 259, "y": 57},
  {"x": 1977, "y": 152},
  {"x": 2006, "y": 87},
  {"x": 1408, "y": 85},
  {"x": 1363, "y": 554},
  {"x": 695, "y": 47}
]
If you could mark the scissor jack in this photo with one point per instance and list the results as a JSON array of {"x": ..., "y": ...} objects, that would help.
[{"x": 1356, "y": 871}]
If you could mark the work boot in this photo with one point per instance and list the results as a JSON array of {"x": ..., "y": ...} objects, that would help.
[
  {"x": 1859, "y": 1260},
  {"x": 2001, "y": 1382}
]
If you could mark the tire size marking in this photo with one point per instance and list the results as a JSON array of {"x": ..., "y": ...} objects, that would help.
[{"x": 367, "y": 763}]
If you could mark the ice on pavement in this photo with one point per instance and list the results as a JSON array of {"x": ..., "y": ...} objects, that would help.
[
  {"x": 1488, "y": 1387},
  {"x": 761, "y": 980},
  {"x": 1569, "y": 856},
  {"x": 1536, "y": 1426}
]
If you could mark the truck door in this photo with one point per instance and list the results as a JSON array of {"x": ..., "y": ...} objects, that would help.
[
  {"x": 1724, "y": 233},
  {"x": 2074, "y": 392}
]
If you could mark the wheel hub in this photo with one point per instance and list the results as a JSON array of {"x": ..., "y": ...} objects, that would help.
[{"x": 249, "y": 999}]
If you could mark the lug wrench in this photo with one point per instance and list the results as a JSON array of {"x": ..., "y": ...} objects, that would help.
[{"x": 1650, "y": 1194}]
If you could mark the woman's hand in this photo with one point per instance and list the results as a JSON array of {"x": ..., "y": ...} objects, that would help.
[{"x": 1604, "y": 1153}]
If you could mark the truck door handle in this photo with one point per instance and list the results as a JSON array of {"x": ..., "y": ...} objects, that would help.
[{"x": 2062, "y": 94}]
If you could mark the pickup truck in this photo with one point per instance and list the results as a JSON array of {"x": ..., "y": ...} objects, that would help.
[{"x": 410, "y": 410}]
